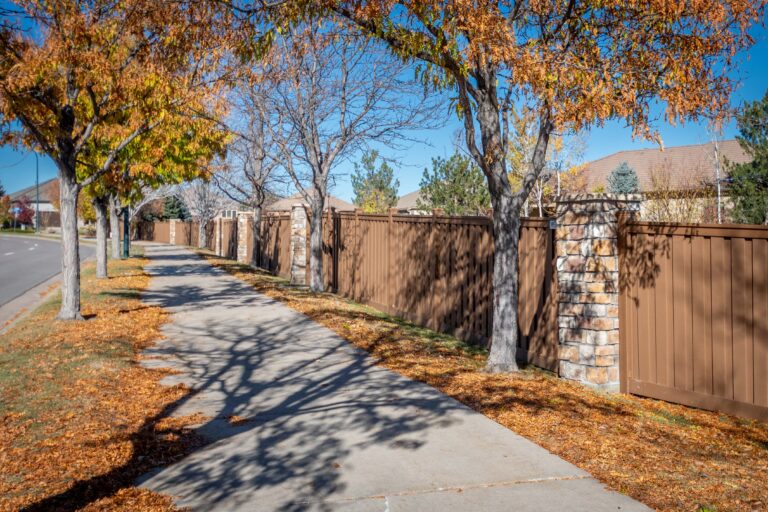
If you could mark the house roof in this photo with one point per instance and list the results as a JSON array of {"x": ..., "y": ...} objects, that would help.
[
  {"x": 687, "y": 166},
  {"x": 48, "y": 189},
  {"x": 409, "y": 201},
  {"x": 287, "y": 203}
]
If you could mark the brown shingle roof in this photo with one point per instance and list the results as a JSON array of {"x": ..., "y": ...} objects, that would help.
[
  {"x": 286, "y": 203},
  {"x": 48, "y": 190},
  {"x": 688, "y": 166},
  {"x": 408, "y": 201}
]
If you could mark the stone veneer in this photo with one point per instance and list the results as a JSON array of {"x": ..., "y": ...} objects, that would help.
[
  {"x": 586, "y": 245},
  {"x": 172, "y": 231},
  {"x": 217, "y": 235},
  {"x": 243, "y": 231},
  {"x": 298, "y": 245}
]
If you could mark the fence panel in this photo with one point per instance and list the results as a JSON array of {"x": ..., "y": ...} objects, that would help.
[
  {"x": 274, "y": 254},
  {"x": 437, "y": 272},
  {"x": 228, "y": 236},
  {"x": 694, "y": 315},
  {"x": 183, "y": 233},
  {"x": 162, "y": 232}
]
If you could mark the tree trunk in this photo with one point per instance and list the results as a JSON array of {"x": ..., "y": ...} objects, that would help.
[
  {"x": 540, "y": 198},
  {"x": 202, "y": 234},
  {"x": 70, "y": 255},
  {"x": 316, "y": 247},
  {"x": 256, "y": 235},
  {"x": 114, "y": 225},
  {"x": 506, "y": 238},
  {"x": 100, "y": 206}
]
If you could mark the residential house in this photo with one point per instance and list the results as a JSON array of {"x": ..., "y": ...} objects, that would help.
[
  {"x": 679, "y": 182},
  {"x": 409, "y": 203},
  {"x": 286, "y": 203},
  {"x": 49, "y": 190},
  {"x": 684, "y": 167}
]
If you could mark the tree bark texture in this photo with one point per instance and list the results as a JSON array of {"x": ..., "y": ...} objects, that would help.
[
  {"x": 100, "y": 207},
  {"x": 316, "y": 247},
  {"x": 114, "y": 226},
  {"x": 70, "y": 255},
  {"x": 506, "y": 238},
  {"x": 202, "y": 234},
  {"x": 256, "y": 232}
]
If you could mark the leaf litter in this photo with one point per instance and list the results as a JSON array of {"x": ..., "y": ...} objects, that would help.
[{"x": 668, "y": 456}]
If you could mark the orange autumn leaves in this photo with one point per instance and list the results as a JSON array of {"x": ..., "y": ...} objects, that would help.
[
  {"x": 586, "y": 60},
  {"x": 79, "y": 418},
  {"x": 667, "y": 456}
]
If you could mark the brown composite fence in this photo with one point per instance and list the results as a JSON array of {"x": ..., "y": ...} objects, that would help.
[
  {"x": 694, "y": 315},
  {"x": 162, "y": 232},
  {"x": 228, "y": 234},
  {"x": 275, "y": 251},
  {"x": 437, "y": 272}
]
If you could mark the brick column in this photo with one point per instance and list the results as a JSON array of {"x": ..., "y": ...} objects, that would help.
[
  {"x": 243, "y": 233},
  {"x": 172, "y": 231},
  {"x": 586, "y": 244},
  {"x": 298, "y": 245}
]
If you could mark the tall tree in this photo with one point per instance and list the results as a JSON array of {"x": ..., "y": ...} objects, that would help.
[
  {"x": 175, "y": 207},
  {"x": 575, "y": 63},
  {"x": 748, "y": 185},
  {"x": 204, "y": 201},
  {"x": 455, "y": 186},
  {"x": 623, "y": 180},
  {"x": 375, "y": 189},
  {"x": 2, "y": 190},
  {"x": 336, "y": 92},
  {"x": 250, "y": 174},
  {"x": 74, "y": 72}
]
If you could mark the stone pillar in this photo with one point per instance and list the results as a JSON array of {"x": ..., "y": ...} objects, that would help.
[
  {"x": 299, "y": 223},
  {"x": 172, "y": 231},
  {"x": 586, "y": 245},
  {"x": 217, "y": 236},
  {"x": 243, "y": 234}
]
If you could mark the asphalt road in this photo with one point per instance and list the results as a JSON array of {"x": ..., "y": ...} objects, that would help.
[{"x": 27, "y": 262}]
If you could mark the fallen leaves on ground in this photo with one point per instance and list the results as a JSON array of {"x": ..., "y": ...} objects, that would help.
[
  {"x": 79, "y": 418},
  {"x": 667, "y": 456}
]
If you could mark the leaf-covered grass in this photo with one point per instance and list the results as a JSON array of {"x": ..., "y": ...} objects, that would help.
[
  {"x": 668, "y": 456},
  {"x": 80, "y": 419}
]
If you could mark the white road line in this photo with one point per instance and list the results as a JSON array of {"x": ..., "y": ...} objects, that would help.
[
  {"x": 7, "y": 254},
  {"x": 31, "y": 248}
]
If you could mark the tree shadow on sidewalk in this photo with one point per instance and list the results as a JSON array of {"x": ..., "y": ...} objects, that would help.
[{"x": 303, "y": 401}]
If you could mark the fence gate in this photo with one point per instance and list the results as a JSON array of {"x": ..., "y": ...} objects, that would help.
[{"x": 694, "y": 315}]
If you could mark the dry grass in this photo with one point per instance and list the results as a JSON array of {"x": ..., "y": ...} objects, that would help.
[
  {"x": 669, "y": 457},
  {"x": 79, "y": 418}
]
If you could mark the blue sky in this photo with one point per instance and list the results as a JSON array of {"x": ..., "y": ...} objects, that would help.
[{"x": 17, "y": 168}]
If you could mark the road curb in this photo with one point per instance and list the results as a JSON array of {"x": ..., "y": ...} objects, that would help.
[{"x": 21, "y": 306}]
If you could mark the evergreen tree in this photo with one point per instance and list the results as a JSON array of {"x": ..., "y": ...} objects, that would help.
[
  {"x": 375, "y": 189},
  {"x": 749, "y": 181},
  {"x": 454, "y": 185},
  {"x": 2, "y": 190},
  {"x": 174, "y": 208},
  {"x": 623, "y": 180}
]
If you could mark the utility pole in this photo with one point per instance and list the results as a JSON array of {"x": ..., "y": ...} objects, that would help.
[{"x": 37, "y": 193}]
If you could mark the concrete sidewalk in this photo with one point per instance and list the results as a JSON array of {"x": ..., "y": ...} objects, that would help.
[{"x": 326, "y": 429}]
